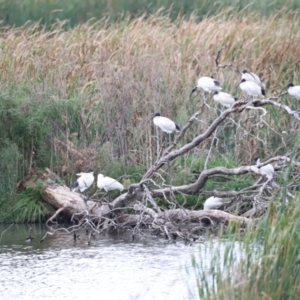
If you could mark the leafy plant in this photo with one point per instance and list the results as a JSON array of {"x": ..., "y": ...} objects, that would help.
[{"x": 29, "y": 206}]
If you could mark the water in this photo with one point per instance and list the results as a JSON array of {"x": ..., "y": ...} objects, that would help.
[{"x": 112, "y": 267}]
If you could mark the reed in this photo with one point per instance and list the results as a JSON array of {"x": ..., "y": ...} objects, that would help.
[{"x": 262, "y": 263}]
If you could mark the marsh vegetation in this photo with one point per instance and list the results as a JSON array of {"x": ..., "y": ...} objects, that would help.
[{"x": 80, "y": 97}]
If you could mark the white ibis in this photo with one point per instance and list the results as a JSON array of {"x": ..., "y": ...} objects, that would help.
[
  {"x": 165, "y": 124},
  {"x": 212, "y": 203},
  {"x": 268, "y": 169},
  {"x": 252, "y": 88},
  {"x": 84, "y": 181},
  {"x": 293, "y": 90},
  {"x": 248, "y": 76},
  {"x": 223, "y": 98},
  {"x": 207, "y": 84},
  {"x": 108, "y": 184}
]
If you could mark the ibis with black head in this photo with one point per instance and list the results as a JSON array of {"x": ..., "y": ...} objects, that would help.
[
  {"x": 224, "y": 99},
  {"x": 251, "y": 88},
  {"x": 207, "y": 84},
  {"x": 293, "y": 90},
  {"x": 249, "y": 76},
  {"x": 165, "y": 124}
]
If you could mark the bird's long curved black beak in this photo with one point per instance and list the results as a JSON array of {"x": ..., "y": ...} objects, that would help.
[
  {"x": 238, "y": 85},
  {"x": 150, "y": 118},
  {"x": 284, "y": 88},
  {"x": 193, "y": 90},
  {"x": 250, "y": 74}
]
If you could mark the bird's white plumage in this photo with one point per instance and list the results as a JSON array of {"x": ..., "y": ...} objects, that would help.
[
  {"x": 208, "y": 84},
  {"x": 294, "y": 91},
  {"x": 84, "y": 181},
  {"x": 108, "y": 183},
  {"x": 212, "y": 203},
  {"x": 224, "y": 98},
  {"x": 251, "y": 88},
  {"x": 268, "y": 169},
  {"x": 249, "y": 76},
  {"x": 165, "y": 124}
]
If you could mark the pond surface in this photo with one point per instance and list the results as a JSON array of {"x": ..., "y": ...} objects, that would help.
[{"x": 112, "y": 267}]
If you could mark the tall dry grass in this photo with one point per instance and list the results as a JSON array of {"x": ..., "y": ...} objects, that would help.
[{"x": 93, "y": 88}]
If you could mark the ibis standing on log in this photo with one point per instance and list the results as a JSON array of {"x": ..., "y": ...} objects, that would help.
[
  {"x": 224, "y": 99},
  {"x": 252, "y": 88},
  {"x": 207, "y": 84},
  {"x": 267, "y": 170},
  {"x": 293, "y": 90},
  {"x": 212, "y": 203},
  {"x": 84, "y": 181},
  {"x": 108, "y": 184}
]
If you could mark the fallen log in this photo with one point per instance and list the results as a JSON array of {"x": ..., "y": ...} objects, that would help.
[{"x": 127, "y": 211}]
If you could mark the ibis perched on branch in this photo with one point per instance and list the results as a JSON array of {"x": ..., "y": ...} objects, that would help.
[
  {"x": 251, "y": 88},
  {"x": 248, "y": 76},
  {"x": 224, "y": 99},
  {"x": 165, "y": 124},
  {"x": 207, "y": 84},
  {"x": 293, "y": 90}
]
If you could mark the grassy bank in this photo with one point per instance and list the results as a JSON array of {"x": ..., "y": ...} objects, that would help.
[
  {"x": 16, "y": 12},
  {"x": 79, "y": 97}
]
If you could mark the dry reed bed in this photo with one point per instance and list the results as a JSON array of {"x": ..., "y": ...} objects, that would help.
[
  {"x": 130, "y": 69},
  {"x": 182, "y": 50}
]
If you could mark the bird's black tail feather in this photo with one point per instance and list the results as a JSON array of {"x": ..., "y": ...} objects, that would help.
[
  {"x": 177, "y": 127},
  {"x": 217, "y": 83}
]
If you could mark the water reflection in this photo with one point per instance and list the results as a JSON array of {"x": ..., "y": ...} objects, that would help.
[{"x": 113, "y": 267}]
